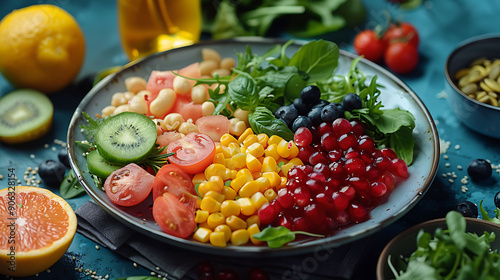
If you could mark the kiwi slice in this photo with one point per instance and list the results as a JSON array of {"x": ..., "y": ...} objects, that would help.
[
  {"x": 25, "y": 115},
  {"x": 126, "y": 137},
  {"x": 99, "y": 166}
]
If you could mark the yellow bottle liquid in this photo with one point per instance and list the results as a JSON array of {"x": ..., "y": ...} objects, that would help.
[{"x": 149, "y": 26}]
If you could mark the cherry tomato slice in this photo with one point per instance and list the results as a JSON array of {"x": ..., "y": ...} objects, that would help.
[
  {"x": 174, "y": 180},
  {"x": 129, "y": 185},
  {"x": 193, "y": 153},
  {"x": 173, "y": 217}
]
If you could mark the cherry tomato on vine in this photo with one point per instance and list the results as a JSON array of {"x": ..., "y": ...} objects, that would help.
[
  {"x": 401, "y": 57},
  {"x": 368, "y": 44},
  {"x": 403, "y": 31}
]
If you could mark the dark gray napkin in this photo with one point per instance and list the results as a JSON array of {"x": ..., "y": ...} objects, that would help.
[{"x": 177, "y": 263}]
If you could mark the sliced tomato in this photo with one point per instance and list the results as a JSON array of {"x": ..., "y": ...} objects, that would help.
[
  {"x": 167, "y": 137},
  {"x": 213, "y": 126},
  {"x": 187, "y": 108},
  {"x": 174, "y": 180},
  {"x": 129, "y": 185},
  {"x": 193, "y": 153},
  {"x": 173, "y": 217}
]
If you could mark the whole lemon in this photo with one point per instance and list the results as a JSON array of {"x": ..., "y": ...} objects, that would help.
[{"x": 41, "y": 47}]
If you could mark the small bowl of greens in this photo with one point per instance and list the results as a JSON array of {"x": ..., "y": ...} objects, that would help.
[{"x": 448, "y": 248}]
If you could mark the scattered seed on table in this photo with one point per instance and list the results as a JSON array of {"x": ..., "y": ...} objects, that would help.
[
  {"x": 96, "y": 247},
  {"x": 451, "y": 181},
  {"x": 457, "y": 147},
  {"x": 1, "y": 177},
  {"x": 32, "y": 156},
  {"x": 447, "y": 164},
  {"x": 445, "y": 156}
]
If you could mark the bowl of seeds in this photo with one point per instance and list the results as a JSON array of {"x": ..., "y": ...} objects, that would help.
[{"x": 472, "y": 73}]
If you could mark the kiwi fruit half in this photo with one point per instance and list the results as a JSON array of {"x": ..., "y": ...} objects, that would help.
[
  {"x": 99, "y": 166},
  {"x": 25, "y": 115},
  {"x": 125, "y": 138}
]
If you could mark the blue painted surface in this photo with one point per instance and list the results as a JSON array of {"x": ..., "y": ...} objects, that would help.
[{"x": 442, "y": 25}]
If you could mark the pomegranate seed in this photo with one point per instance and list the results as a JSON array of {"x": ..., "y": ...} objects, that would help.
[
  {"x": 357, "y": 128},
  {"x": 204, "y": 267},
  {"x": 372, "y": 173},
  {"x": 329, "y": 141},
  {"x": 292, "y": 184},
  {"x": 355, "y": 166},
  {"x": 364, "y": 198},
  {"x": 323, "y": 128},
  {"x": 347, "y": 141},
  {"x": 227, "y": 275},
  {"x": 349, "y": 191},
  {"x": 306, "y": 168},
  {"x": 286, "y": 222},
  {"x": 296, "y": 173},
  {"x": 366, "y": 157},
  {"x": 315, "y": 186},
  {"x": 388, "y": 152},
  {"x": 301, "y": 196},
  {"x": 316, "y": 135},
  {"x": 305, "y": 153},
  {"x": 340, "y": 201},
  {"x": 258, "y": 274},
  {"x": 323, "y": 169},
  {"x": 267, "y": 213},
  {"x": 207, "y": 276},
  {"x": 303, "y": 137},
  {"x": 357, "y": 212},
  {"x": 342, "y": 217},
  {"x": 315, "y": 215},
  {"x": 318, "y": 177},
  {"x": 378, "y": 189},
  {"x": 285, "y": 198},
  {"x": 359, "y": 183},
  {"x": 388, "y": 179},
  {"x": 341, "y": 126},
  {"x": 333, "y": 184},
  {"x": 334, "y": 155},
  {"x": 324, "y": 200},
  {"x": 318, "y": 157},
  {"x": 366, "y": 143},
  {"x": 383, "y": 163},
  {"x": 352, "y": 154},
  {"x": 300, "y": 224},
  {"x": 399, "y": 168},
  {"x": 377, "y": 153},
  {"x": 332, "y": 224}
]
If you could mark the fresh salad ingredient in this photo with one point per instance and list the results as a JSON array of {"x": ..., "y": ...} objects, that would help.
[
  {"x": 213, "y": 126},
  {"x": 25, "y": 115},
  {"x": 193, "y": 153},
  {"x": 70, "y": 187},
  {"x": 276, "y": 237},
  {"x": 129, "y": 185},
  {"x": 401, "y": 57},
  {"x": 369, "y": 44},
  {"x": 401, "y": 31},
  {"x": 479, "y": 169},
  {"x": 496, "y": 199},
  {"x": 467, "y": 209},
  {"x": 451, "y": 253},
  {"x": 174, "y": 180},
  {"x": 486, "y": 217},
  {"x": 126, "y": 137},
  {"x": 99, "y": 166},
  {"x": 173, "y": 216},
  {"x": 51, "y": 172},
  {"x": 479, "y": 80},
  {"x": 63, "y": 157}
]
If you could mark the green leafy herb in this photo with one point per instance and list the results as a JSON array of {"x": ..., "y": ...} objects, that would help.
[
  {"x": 486, "y": 217},
  {"x": 90, "y": 128},
  {"x": 70, "y": 187},
  {"x": 316, "y": 59},
  {"x": 276, "y": 237},
  {"x": 263, "y": 121},
  {"x": 450, "y": 254}
]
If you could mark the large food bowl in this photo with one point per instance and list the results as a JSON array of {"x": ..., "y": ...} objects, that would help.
[
  {"x": 394, "y": 94},
  {"x": 478, "y": 116}
]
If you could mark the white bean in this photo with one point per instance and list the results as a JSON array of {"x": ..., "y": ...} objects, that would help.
[
  {"x": 187, "y": 127},
  {"x": 129, "y": 95},
  {"x": 222, "y": 72},
  {"x": 181, "y": 85},
  {"x": 135, "y": 84},
  {"x": 227, "y": 63},
  {"x": 207, "y": 108},
  {"x": 122, "y": 108},
  {"x": 241, "y": 114},
  {"x": 207, "y": 66},
  {"x": 172, "y": 121},
  {"x": 163, "y": 102},
  {"x": 108, "y": 111},
  {"x": 138, "y": 105},
  {"x": 199, "y": 94},
  {"x": 210, "y": 54},
  {"x": 145, "y": 93},
  {"x": 237, "y": 126},
  {"x": 118, "y": 99}
]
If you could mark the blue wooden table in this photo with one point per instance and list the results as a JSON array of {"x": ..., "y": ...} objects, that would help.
[{"x": 441, "y": 24}]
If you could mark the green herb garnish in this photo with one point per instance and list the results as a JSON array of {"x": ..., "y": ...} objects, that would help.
[
  {"x": 70, "y": 187},
  {"x": 276, "y": 237}
]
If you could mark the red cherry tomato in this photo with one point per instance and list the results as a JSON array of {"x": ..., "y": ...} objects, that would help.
[
  {"x": 173, "y": 217},
  {"x": 193, "y": 153},
  {"x": 174, "y": 180},
  {"x": 401, "y": 57},
  {"x": 369, "y": 45},
  {"x": 403, "y": 31},
  {"x": 129, "y": 185}
]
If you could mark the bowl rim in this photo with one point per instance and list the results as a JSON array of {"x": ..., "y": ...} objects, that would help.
[
  {"x": 462, "y": 45},
  {"x": 382, "y": 260}
]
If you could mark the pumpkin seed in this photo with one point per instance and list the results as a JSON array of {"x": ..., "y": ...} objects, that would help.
[
  {"x": 492, "y": 84},
  {"x": 494, "y": 72},
  {"x": 481, "y": 80}
]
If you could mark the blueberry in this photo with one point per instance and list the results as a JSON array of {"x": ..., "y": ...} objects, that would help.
[
  {"x": 315, "y": 116},
  {"x": 497, "y": 200},
  {"x": 301, "y": 121},
  {"x": 310, "y": 95},
  {"x": 287, "y": 113},
  {"x": 351, "y": 101},
  {"x": 52, "y": 172},
  {"x": 467, "y": 209},
  {"x": 301, "y": 107},
  {"x": 479, "y": 169},
  {"x": 63, "y": 157},
  {"x": 321, "y": 103},
  {"x": 330, "y": 112},
  {"x": 341, "y": 109}
]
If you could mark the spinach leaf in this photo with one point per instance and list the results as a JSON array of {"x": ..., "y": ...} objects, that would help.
[
  {"x": 402, "y": 143},
  {"x": 318, "y": 59},
  {"x": 70, "y": 187},
  {"x": 242, "y": 90},
  {"x": 392, "y": 119},
  {"x": 262, "y": 120}
]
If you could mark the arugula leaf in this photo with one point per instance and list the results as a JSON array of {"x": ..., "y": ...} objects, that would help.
[
  {"x": 276, "y": 237},
  {"x": 70, "y": 187},
  {"x": 90, "y": 129},
  {"x": 318, "y": 59},
  {"x": 262, "y": 120}
]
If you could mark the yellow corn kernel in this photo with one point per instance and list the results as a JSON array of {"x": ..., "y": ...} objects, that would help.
[
  {"x": 254, "y": 219},
  {"x": 212, "y": 186},
  {"x": 281, "y": 161},
  {"x": 251, "y": 139},
  {"x": 215, "y": 219},
  {"x": 295, "y": 161},
  {"x": 246, "y": 206},
  {"x": 234, "y": 149},
  {"x": 224, "y": 150},
  {"x": 228, "y": 162},
  {"x": 256, "y": 175},
  {"x": 218, "y": 239},
  {"x": 238, "y": 182},
  {"x": 238, "y": 160},
  {"x": 218, "y": 181},
  {"x": 229, "y": 193},
  {"x": 233, "y": 173},
  {"x": 215, "y": 169},
  {"x": 294, "y": 150},
  {"x": 282, "y": 184},
  {"x": 269, "y": 164},
  {"x": 227, "y": 174},
  {"x": 239, "y": 237},
  {"x": 227, "y": 138},
  {"x": 219, "y": 158},
  {"x": 201, "y": 216},
  {"x": 249, "y": 189},
  {"x": 274, "y": 139},
  {"x": 210, "y": 204},
  {"x": 215, "y": 195},
  {"x": 226, "y": 230},
  {"x": 245, "y": 172},
  {"x": 230, "y": 207},
  {"x": 273, "y": 177},
  {"x": 285, "y": 168},
  {"x": 235, "y": 223},
  {"x": 203, "y": 188},
  {"x": 202, "y": 234},
  {"x": 270, "y": 194},
  {"x": 256, "y": 150},
  {"x": 243, "y": 149},
  {"x": 252, "y": 163},
  {"x": 263, "y": 183},
  {"x": 198, "y": 202},
  {"x": 272, "y": 151},
  {"x": 285, "y": 148},
  {"x": 262, "y": 138},
  {"x": 198, "y": 178},
  {"x": 253, "y": 229},
  {"x": 245, "y": 134},
  {"x": 258, "y": 199}
]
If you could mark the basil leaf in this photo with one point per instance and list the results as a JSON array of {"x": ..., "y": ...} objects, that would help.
[
  {"x": 275, "y": 237},
  {"x": 262, "y": 120},
  {"x": 70, "y": 187},
  {"x": 392, "y": 119},
  {"x": 242, "y": 90},
  {"x": 317, "y": 58},
  {"x": 402, "y": 143}
]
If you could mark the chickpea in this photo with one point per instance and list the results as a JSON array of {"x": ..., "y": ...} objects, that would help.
[
  {"x": 118, "y": 99},
  {"x": 207, "y": 108},
  {"x": 211, "y": 54},
  {"x": 222, "y": 72},
  {"x": 241, "y": 114},
  {"x": 135, "y": 84},
  {"x": 108, "y": 111},
  {"x": 206, "y": 67},
  {"x": 237, "y": 126},
  {"x": 163, "y": 102},
  {"x": 144, "y": 93},
  {"x": 181, "y": 85},
  {"x": 199, "y": 94},
  {"x": 122, "y": 108},
  {"x": 129, "y": 95},
  {"x": 187, "y": 127},
  {"x": 227, "y": 63},
  {"x": 172, "y": 121},
  {"x": 138, "y": 105}
]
